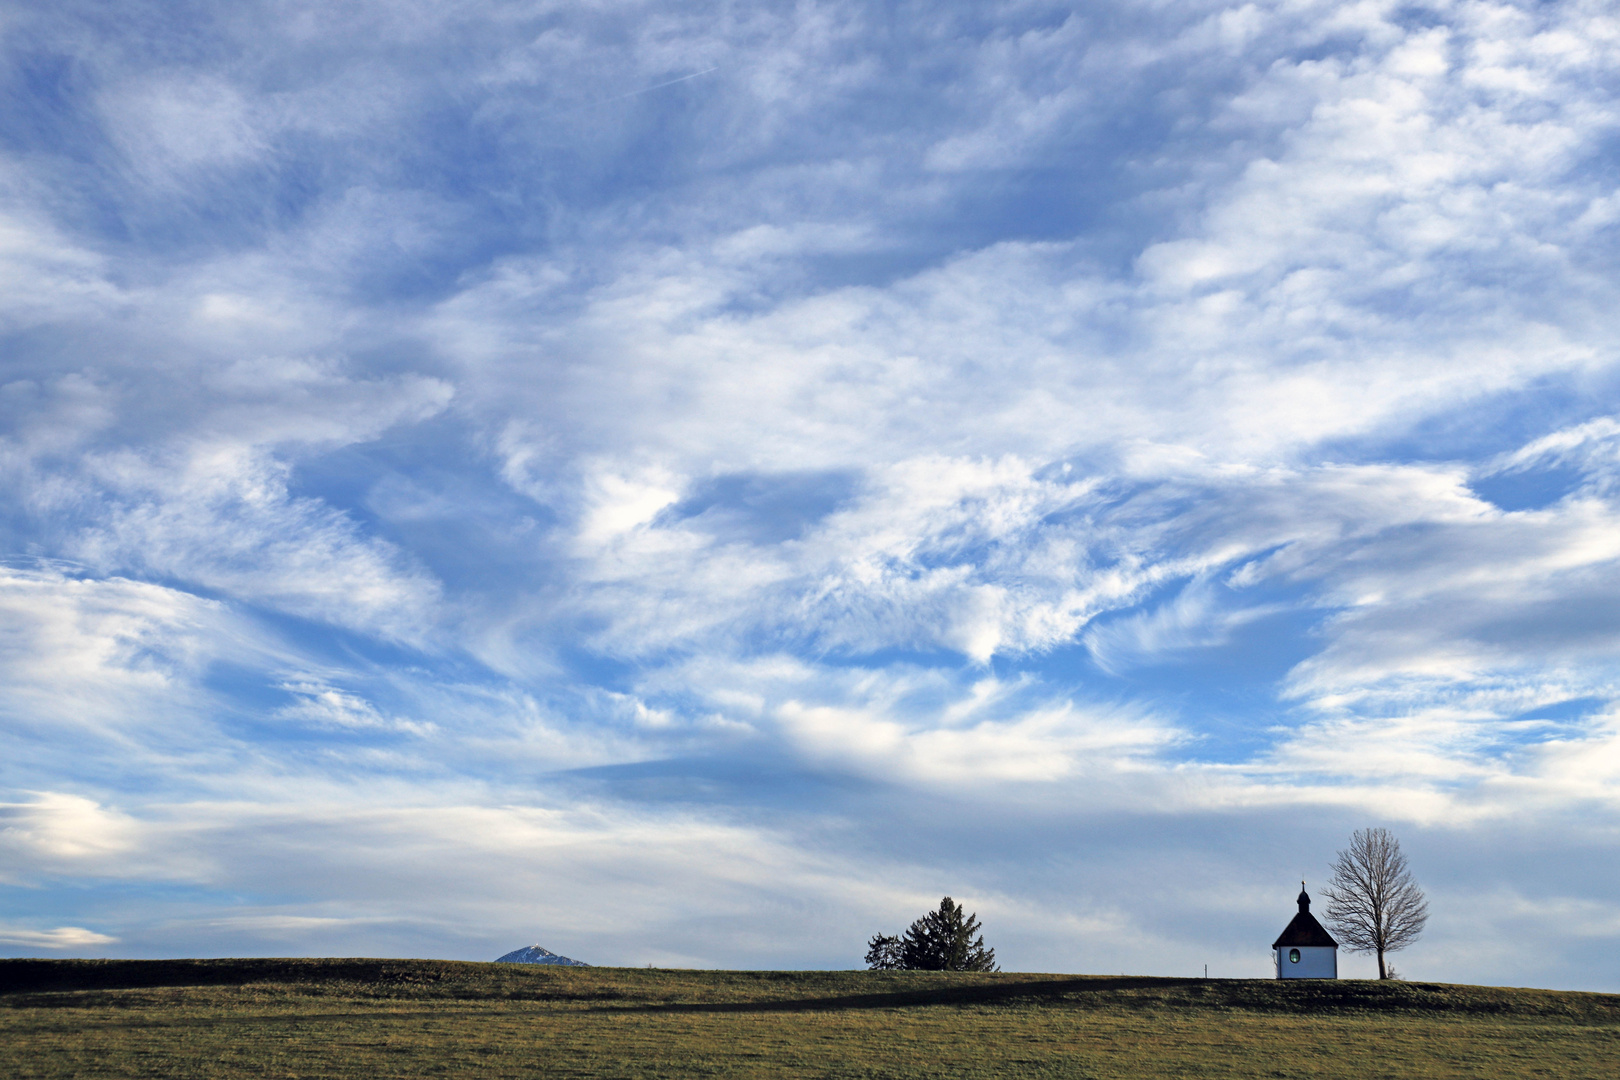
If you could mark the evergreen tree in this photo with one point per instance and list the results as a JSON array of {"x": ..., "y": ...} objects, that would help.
[
  {"x": 946, "y": 940},
  {"x": 883, "y": 953}
]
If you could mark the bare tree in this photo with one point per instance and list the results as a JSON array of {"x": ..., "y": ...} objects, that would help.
[{"x": 1373, "y": 903}]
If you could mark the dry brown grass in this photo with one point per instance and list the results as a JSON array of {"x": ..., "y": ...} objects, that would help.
[{"x": 377, "y": 1019}]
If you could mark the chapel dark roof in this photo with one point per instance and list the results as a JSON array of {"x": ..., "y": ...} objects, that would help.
[{"x": 1304, "y": 930}]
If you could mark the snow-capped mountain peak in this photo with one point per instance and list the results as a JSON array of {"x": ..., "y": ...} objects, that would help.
[{"x": 534, "y": 954}]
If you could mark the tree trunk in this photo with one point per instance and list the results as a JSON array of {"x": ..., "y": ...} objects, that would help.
[{"x": 1381, "y": 972}]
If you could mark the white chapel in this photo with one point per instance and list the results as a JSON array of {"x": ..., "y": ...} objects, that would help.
[{"x": 1305, "y": 950}]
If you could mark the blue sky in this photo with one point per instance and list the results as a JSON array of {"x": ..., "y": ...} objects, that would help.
[{"x": 695, "y": 483}]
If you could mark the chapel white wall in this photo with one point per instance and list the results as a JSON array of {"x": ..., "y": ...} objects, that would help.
[{"x": 1315, "y": 962}]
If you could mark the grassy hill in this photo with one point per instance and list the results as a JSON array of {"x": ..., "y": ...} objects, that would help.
[{"x": 419, "y": 1018}]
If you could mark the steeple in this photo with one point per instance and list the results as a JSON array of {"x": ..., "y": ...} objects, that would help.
[{"x": 1305, "y": 950}]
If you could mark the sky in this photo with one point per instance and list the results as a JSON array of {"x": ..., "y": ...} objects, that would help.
[{"x": 694, "y": 483}]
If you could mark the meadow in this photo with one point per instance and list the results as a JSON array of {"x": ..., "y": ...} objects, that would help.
[{"x": 423, "y": 1018}]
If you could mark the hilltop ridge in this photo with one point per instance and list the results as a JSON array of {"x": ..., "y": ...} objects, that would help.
[
  {"x": 380, "y": 1018},
  {"x": 775, "y": 990}
]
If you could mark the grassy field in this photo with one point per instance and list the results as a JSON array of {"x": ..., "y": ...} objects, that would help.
[{"x": 424, "y": 1018}]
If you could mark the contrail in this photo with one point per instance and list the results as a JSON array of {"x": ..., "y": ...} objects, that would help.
[{"x": 660, "y": 86}]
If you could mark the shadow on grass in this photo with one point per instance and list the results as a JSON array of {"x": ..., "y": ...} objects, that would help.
[
  {"x": 45, "y": 976},
  {"x": 677, "y": 991},
  {"x": 1022, "y": 993}
]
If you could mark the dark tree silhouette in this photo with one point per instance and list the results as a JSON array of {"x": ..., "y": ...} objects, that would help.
[
  {"x": 883, "y": 953},
  {"x": 944, "y": 940},
  {"x": 1373, "y": 903}
]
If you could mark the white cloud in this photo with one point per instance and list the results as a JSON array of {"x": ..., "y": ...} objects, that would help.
[
  {"x": 223, "y": 519},
  {"x": 88, "y": 656},
  {"x": 1041, "y": 746},
  {"x": 47, "y": 277},
  {"x": 937, "y": 408},
  {"x": 179, "y": 124},
  {"x": 61, "y": 937},
  {"x": 318, "y": 704},
  {"x": 60, "y": 829},
  {"x": 211, "y": 506}
]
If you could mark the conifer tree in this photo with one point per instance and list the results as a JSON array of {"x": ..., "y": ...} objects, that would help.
[
  {"x": 883, "y": 953},
  {"x": 946, "y": 940}
]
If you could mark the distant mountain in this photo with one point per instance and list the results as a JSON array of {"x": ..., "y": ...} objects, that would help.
[{"x": 534, "y": 954}]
